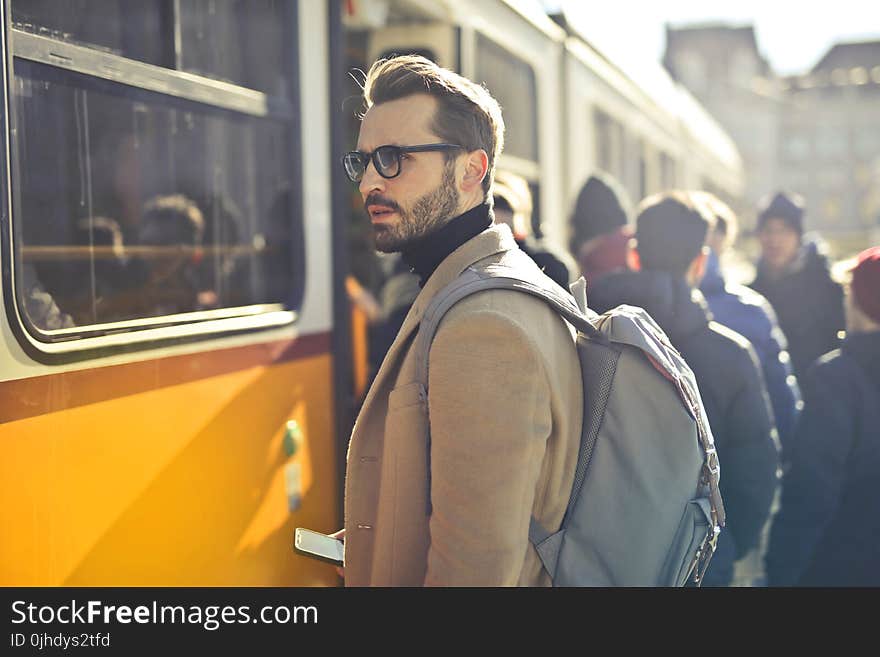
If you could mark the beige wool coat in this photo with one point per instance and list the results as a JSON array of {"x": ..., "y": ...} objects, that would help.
[{"x": 505, "y": 400}]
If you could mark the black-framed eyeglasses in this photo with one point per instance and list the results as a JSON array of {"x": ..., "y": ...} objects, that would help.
[{"x": 386, "y": 159}]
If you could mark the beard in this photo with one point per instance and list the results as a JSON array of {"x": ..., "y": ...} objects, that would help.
[{"x": 427, "y": 214}]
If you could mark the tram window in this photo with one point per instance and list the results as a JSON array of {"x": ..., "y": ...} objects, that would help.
[
  {"x": 129, "y": 29},
  {"x": 131, "y": 205},
  {"x": 609, "y": 144},
  {"x": 243, "y": 42},
  {"x": 512, "y": 83},
  {"x": 240, "y": 41}
]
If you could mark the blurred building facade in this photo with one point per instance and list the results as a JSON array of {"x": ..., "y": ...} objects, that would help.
[{"x": 817, "y": 134}]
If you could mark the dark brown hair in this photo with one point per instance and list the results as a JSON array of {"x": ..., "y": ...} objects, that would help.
[
  {"x": 466, "y": 114},
  {"x": 670, "y": 232}
]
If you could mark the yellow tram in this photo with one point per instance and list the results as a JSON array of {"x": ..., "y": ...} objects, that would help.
[
  {"x": 177, "y": 367},
  {"x": 166, "y": 370}
]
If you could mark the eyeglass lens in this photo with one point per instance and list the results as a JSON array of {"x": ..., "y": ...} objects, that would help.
[
  {"x": 385, "y": 158},
  {"x": 354, "y": 166}
]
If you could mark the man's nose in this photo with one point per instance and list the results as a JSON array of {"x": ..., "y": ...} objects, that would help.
[{"x": 372, "y": 181}]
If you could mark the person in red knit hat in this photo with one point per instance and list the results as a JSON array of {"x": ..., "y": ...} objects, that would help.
[{"x": 865, "y": 286}]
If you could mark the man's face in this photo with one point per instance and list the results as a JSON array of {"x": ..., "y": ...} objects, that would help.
[
  {"x": 425, "y": 194},
  {"x": 779, "y": 243}
]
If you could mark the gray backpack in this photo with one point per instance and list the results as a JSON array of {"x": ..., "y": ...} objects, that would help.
[{"x": 645, "y": 509}]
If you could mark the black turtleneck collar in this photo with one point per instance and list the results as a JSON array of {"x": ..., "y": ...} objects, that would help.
[{"x": 425, "y": 255}]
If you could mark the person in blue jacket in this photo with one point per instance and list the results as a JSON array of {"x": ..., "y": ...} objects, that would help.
[
  {"x": 827, "y": 532},
  {"x": 748, "y": 313}
]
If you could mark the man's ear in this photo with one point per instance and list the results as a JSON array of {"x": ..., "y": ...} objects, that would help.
[{"x": 476, "y": 167}]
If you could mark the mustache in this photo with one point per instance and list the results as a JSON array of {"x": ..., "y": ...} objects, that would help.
[{"x": 378, "y": 199}]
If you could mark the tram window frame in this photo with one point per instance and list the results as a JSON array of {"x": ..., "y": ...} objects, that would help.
[{"x": 174, "y": 87}]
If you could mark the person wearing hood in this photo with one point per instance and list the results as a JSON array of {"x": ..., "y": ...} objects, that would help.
[
  {"x": 795, "y": 277},
  {"x": 748, "y": 313},
  {"x": 827, "y": 532},
  {"x": 668, "y": 263},
  {"x": 600, "y": 227}
]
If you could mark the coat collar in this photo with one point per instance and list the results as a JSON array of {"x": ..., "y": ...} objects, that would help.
[{"x": 495, "y": 239}]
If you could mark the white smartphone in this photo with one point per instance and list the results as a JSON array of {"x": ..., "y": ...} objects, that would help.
[{"x": 320, "y": 546}]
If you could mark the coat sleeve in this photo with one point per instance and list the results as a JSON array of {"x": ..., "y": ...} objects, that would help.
[
  {"x": 750, "y": 460},
  {"x": 489, "y": 402},
  {"x": 811, "y": 488}
]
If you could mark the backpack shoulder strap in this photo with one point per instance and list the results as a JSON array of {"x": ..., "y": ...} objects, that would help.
[{"x": 495, "y": 277}]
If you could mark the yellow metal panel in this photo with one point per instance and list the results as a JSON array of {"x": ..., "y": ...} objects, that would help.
[{"x": 179, "y": 485}]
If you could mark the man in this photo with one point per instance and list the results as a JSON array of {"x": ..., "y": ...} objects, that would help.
[
  {"x": 793, "y": 274},
  {"x": 748, "y": 313},
  {"x": 828, "y": 530},
  {"x": 670, "y": 234},
  {"x": 512, "y": 205},
  {"x": 504, "y": 396}
]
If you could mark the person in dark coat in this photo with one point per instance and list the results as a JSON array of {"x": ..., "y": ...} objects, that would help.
[
  {"x": 827, "y": 532},
  {"x": 670, "y": 236},
  {"x": 512, "y": 205},
  {"x": 600, "y": 227},
  {"x": 794, "y": 275},
  {"x": 748, "y": 313}
]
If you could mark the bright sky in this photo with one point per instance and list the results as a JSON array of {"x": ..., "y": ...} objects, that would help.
[{"x": 793, "y": 36}]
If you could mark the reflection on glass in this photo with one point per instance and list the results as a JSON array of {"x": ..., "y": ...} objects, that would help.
[
  {"x": 132, "y": 205},
  {"x": 243, "y": 42},
  {"x": 129, "y": 29},
  {"x": 239, "y": 41}
]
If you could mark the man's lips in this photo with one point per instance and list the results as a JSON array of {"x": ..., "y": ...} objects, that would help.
[{"x": 380, "y": 212}]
